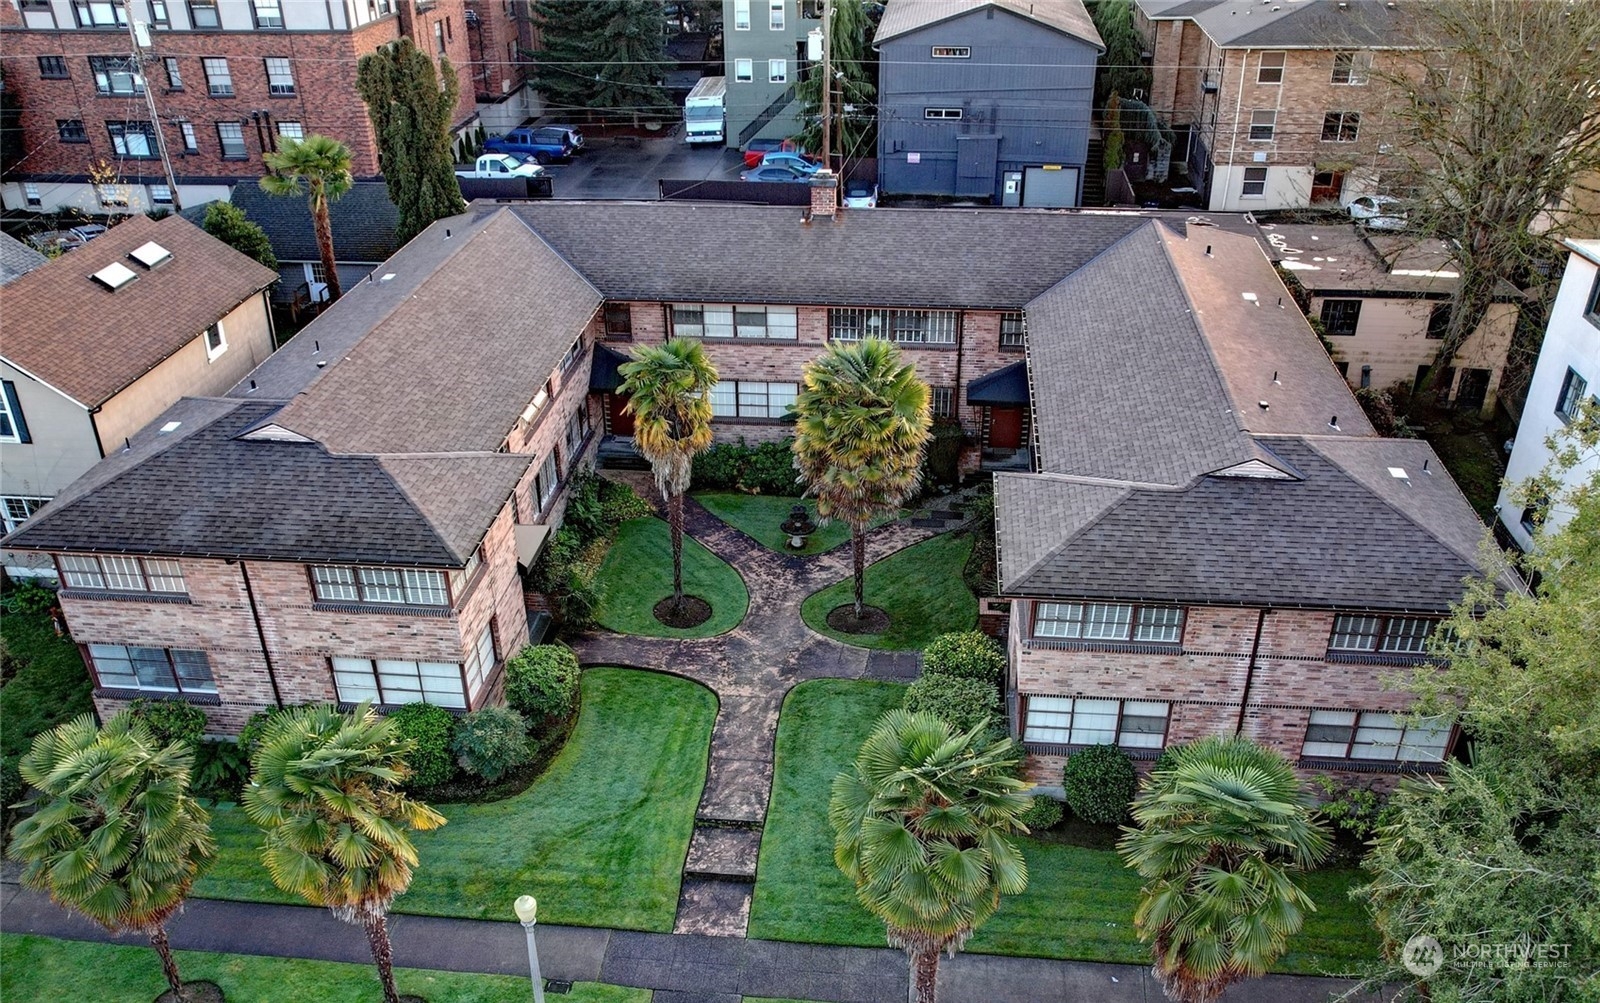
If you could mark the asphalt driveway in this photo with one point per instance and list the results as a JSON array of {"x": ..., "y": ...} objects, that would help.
[{"x": 626, "y": 168}]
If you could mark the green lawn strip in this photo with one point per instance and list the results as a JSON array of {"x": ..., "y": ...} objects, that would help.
[
  {"x": 599, "y": 839},
  {"x": 1472, "y": 459},
  {"x": 51, "y": 685},
  {"x": 1079, "y": 903},
  {"x": 637, "y": 573},
  {"x": 921, "y": 589},
  {"x": 759, "y": 516},
  {"x": 41, "y": 968}
]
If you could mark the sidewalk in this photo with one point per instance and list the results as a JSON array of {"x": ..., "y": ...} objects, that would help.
[{"x": 680, "y": 968}]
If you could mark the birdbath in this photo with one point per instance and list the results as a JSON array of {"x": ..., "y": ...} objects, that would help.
[{"x": 798, "y": 527}]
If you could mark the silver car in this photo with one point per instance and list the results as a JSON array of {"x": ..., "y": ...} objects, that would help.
[{"x": 1378, "y": 212}]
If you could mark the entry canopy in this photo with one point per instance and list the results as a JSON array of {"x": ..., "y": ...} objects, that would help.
[{"x": 1006, "y": 387}]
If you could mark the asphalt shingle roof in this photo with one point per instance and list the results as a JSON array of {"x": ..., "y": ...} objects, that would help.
[
  {"x": 1067, "y": 16},
  {"x": 17, "y": 259},
  {"x": 1314, "y": 24},
  {"x": 363, "y": 223}
]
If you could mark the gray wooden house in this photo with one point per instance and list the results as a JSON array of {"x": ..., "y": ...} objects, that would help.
[{"x": 988, "y": 99}]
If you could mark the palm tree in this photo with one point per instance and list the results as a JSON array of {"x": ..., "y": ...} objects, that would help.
[
  {"x": 326, "y": 787},
  {"x": 669, "y": 394},
  {"x": 115, "y": 835},
  {"x": 920, "y": 826},
  {"x": 1219, "y": 834},
  {"x": 323, "y": 165},
  {"x": 863, "y": 419}
]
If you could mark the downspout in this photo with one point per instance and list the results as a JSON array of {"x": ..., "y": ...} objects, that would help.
[
  {"x": 1238, "y": 107},
  {"x": 1250, "y": 672},
  {"x": 261, "y": 634}
]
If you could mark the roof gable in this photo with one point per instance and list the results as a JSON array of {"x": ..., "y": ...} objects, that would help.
[{"x": 1070, "y": 17}]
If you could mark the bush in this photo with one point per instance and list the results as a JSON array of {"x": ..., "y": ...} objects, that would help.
[
  {"x": 1045, "y": 813},
  {"x": 769, "y": 469},
  {"x": 491, "y": 741},
  {"x": 585, "y": 515},
  {"x": 431, "y": 728},
  {"x": 619, "y": 503},
  {"x": 718, "y": 468},
  {"x": 221, "y": 769},
  {"x": 11, "y": 786},
  {"x": 256, "y": 726},
  {"x": 26, "y": 596},
  {"x": 551, "y": 570},
  {"x": 170, "y": 720},
  {"x": 1168, "y": 758},
  {"x": 1357, "y": 812},
  {"x": 1099, "y": 782},
  {"x": 941, "y": 461},
  {"x": 542, "y": 683},
  {"x": 960, "y": 702},
  {"x": 969, "y": 654}
]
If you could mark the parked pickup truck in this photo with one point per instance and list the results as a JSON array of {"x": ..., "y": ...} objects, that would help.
[
  {"x": 501, "y": 165},
  {"x": 543, "y": 145}
]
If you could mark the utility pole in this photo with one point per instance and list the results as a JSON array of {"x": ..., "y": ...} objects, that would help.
[
  {"x": 150, "y": 101},
  {"x": 827, "y": 84}
]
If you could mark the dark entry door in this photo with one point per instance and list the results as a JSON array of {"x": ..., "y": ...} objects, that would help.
[
  {"x": 620, "y": 421},
  {"x": 1326, "y": 186},
  {"x": 1473, "y": 390},
  {"x": 1005, "y": 428}
]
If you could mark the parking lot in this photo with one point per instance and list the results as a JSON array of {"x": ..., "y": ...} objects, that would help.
[{"x": 627, "y": 168}]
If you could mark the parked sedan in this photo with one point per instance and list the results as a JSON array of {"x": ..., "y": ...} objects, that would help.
[
  {"x": 860, "y": 195},
  {"x": 796, "y": 162},
  {"x": 772, "y": 173},
  {"x": 758, "y": 148},
  {"x": 1378, "y": 212}
]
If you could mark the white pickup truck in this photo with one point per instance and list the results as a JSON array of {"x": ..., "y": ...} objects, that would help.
[{"x": 502, "y": 165}]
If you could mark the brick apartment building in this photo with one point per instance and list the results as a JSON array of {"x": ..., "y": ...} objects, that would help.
[
  {"x": 348, "y": 522},
  {"x": 1276, "y": 103},
  {"x": 229, "y": 78}
]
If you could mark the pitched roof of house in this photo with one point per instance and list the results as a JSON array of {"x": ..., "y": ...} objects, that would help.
[
  {"x": 91, "y": 342},
  {"x": 1067, "y": 16},
  {"x": 17, "y": 259},
  {"x": 1296, "y": 24},
  {"x": 363, "y": 223}
]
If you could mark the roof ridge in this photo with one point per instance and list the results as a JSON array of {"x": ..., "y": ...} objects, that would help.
[
  {"x": 1099, "y": 482},
  {"x": 559, "y": 256}
]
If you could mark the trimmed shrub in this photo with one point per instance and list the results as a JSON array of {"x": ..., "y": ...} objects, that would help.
[
  {"x": 770, "y": 470},
  {"x": 221, "y": 769},
  {"x": 542, "y": 683},
  {"x": 490, "y": 741},
  {"x": 431, "y": 728},
  {"x": 941, "y": 461},
  {"x": 1099, "y": 782},
  {"x": 170, "y": 720},
  {"x": 718, "y": 468},
  {"x": 1045, "y": 813},
  {"x": 960, "y": 702},
  {"x": 619, "y": 503},
  {"x": 969, "y": 654}
]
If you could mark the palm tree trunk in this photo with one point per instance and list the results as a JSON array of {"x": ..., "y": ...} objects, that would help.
[
  {"x": 169, "y": 965},
  {"x": 675, "y": 521},
  {"x": 382, "y": 953},
  {"x": 924, "y": 976},
  {"x": 858, "y": 548},
  {"x": 324, "y": 228}
]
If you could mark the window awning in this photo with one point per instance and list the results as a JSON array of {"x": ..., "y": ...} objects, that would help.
[
  {"x": 603, "y": 375},
  {"x": 530, "y": 540},
  {"x": 1006, "y": 387}
]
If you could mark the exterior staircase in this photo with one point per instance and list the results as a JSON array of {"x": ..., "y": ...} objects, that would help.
[{"x": 1094, "y": 173}]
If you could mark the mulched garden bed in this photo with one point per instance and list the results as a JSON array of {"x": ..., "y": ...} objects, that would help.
[
  {"x": 463, "y": 789},
  {"x": 872, "y": 620},
  {"x": 692, "y": 613},
  {"x": 200, "y": 991}
]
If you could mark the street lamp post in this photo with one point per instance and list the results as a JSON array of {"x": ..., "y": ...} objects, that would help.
[{"x": 527, "y": 909}]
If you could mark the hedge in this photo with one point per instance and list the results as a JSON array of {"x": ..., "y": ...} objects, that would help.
[
  {"x": 970, "y": 654},
  {"x": 1099, "y": 783}
]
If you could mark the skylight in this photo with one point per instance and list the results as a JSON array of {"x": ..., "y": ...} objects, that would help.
[
  {"x": 115, "y": 275},
  {"x": 150, "y": 254},
  {"x": 1399, "y": 473}
]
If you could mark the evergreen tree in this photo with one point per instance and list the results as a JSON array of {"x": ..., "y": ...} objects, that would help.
[
  {"x": 602, "y": 55},
  {"x": 411, "y": 104},
  {"x": 1122, "y": 68},
  {"x": 228, "y": 223},
  {"x": 854, "y": 113}
]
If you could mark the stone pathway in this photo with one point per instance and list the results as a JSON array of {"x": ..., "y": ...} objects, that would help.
[{"x": 751, "y": 669}]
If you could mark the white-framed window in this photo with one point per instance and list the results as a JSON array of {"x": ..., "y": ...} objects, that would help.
[
  {"x": 99, "y": 13},
  {"x": 203, "y": 14},
  {"x": 231, "y": 136},
  {"x": 216, "y": 340},
  {"x": 160, "y": 195},
  {"x": 942, "y": 401},
  {"x": 741, "y": 15},
  {"x": 219, "y": 79},
  {"x": 280, "y": 75},
  {"x": 1391, "y": 635},
  {"x": 1376, "y": 735},
  {"x": 752, "y": 399},
  {"x": 778, "y": 71},
  {"x": 1570, "y": 399},
  {"x": 572, "y": 354},
  {"x": 726, "y": 320},
  {"x": 1013, "y": 330},
  {"x": 387, "y": 586},
  {"x": 30, "y": 193},
  {"x": 1351, "y": 68},
  {"x": 908, "y": 327},
  {"x": 1109, "y": 622},
  {"x": 117, "y": 573},
  {"x": 1255, "y": 183},
  {"x": 191, "y": 144},
  {"x": 398, "y": 681},
  {"x": 1341, "y": 126},
  {"x": 116, "y": 76},
  {"x": 18, "y": 509},
  {"x": 940, "y": 113},
  {"x": 577, "y": 431},
  {"x": 546, "y": 481},
  {"x": 775, "y": 14},
  {"x": 1263, "y": 123},
  {"x": 481, "y": 659},
  {"x": 744, "y": 70},
  {"x": 112, "y": 196},
  {"x": 1270, "y": 69},
  {"x": 154, "y": 670},
  {"x": 951, "y": 52},
  {"x": 291, "y": 130},
  {"x": 269, "y": 13},
  {"x": 1131, "y": 724}
]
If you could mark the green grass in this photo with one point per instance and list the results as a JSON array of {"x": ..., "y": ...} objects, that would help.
[
  {"x": 920, "y": 587},
  {"x": 40, "y": 968},
  {"x": 1079, "y": 903},
  {"x": 759, "y": 516},
  {"x": 637, "y": 574},
  {"x": 1473, "y": 460},
  {"x": 51, "y": 684},
  {"x": 599, "y": 839}
]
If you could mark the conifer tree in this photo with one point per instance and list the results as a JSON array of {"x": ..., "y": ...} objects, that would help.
[
  {"x": 412, "y": 105},
  {"x": 853, "y": 110},
  {"x": 602, "y": 56}
]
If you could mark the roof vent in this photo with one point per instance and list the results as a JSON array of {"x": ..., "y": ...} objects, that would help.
[
  {"x": 1333, "y": 423},
  {"x": 115, "y": 275},
  {"x": 150, "y": 254},
  {"x": 171, "y": 426},
  {"x": 1263, "y": 405}
]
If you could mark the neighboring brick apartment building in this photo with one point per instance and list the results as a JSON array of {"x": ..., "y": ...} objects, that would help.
[
  {"x": 230, "y": 78},
  {"x": 1278, "y": 100},
  {"x": 355, "y": 530}
]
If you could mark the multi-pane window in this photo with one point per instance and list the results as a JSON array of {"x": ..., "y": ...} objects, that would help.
[
  {"x": 1263, "y": 123},
  {"x": 398, "y": 681},
  {"x": 99, "y": 13},
  {"x": 1270, "y": 69},
  {"x": 112, "y": 196},
  {"x": 132, "y": 139},
  {"x": 777, "y": 71},
  {"x": 30, "y": 193},
  {"x": 1393, "y": 635},
  {"x": 1255, "y": 182},
  {"x": 718, "y": 320},
  {"x": 1109, "y": 622},
  {"x": 941, "y": 113},
  {"x": 53, "y": 67},
  {"x": 160, "y": 195},
  {"x": 231, "y": 136},
  {"x": 269, "y": 13},
  {"x": 17, "y": 509},
  {"x": 1131, "y": 724},
  {"x": 203, "y": 14},
  {"x": 216, "y": 340},
  {"x": 219, "y": 79},
  {"x": 574, "y": 352},
  {"x": 280, "y": 77},
  {"x": 1591, "y": 310},
  {"x": 13, "y": 428},
  {"x": 944, "y": 402},
  {"x": 1570, "y": 399},
  {"x": 157, "y": 670},
  {"x": 752, "y": 399},
  {"x": 1013, "y": 331},
  {"x": 951, "y": 52},
  {"x": 1351, "y": 67},
  {"x": 480, "y": 659},
  {"x": 174, "y": 73},
  {"x": 1438, "y": 321},
  {"x": 909, "y": 327},
  {"x": 116, "y": 76},
  {"x": 71, "y": 130},
  {"x": 395, "y": 586},
  {"x": 1341, "y": 126},
  {"x": 1349, "y": 734},
  {"x": 741, "y": 15},
  {"x": 1340, "y": 316},
  {"x": 546, "y": 481},
  {"x": 158, "y": 12},
  {"x": 619, "y": 322},
  {"x": 744, "y": 70},
  {"x": 191, "y": 144},
  {"x": 577, "y": 431},
  {"x": 775, "y": 14},
  {"x": 108, "y": 573},
  {"x": 291, "y": 130}
]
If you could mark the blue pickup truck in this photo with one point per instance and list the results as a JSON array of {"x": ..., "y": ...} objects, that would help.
[{"x": 544, "y": 145}]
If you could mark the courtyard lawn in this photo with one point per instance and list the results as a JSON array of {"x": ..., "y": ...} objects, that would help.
[
  {"x": 920, "y": 587},
  {"x": 637, "y": 573},
  {"x": 599, "y": 839},
  {"x": 759, "y": 516},
  {"x": 41, "y": 968},
  {"x": 1079, "y": 903},
  {"x": 51, "y": 684}
]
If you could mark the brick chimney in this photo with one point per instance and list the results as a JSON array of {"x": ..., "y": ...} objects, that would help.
[{"x": 824, "y": 194}]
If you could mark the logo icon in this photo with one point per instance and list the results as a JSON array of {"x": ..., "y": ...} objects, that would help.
[{"x": 1422, "y": 955}]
